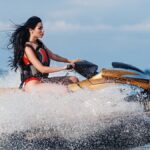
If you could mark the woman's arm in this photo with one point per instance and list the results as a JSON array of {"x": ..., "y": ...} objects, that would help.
[
  {"x": 60, "y": 58},
  {"x": 37, "y": 64},
  {"x": 57, "y": 57}
]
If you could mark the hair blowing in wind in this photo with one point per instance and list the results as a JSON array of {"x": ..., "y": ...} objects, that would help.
[{"x": 18, "y": 39}]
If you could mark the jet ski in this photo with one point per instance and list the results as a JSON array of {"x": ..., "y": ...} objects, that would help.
[{"x": 120, "y": 73}]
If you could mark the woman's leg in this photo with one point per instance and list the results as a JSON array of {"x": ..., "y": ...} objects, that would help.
[
  {"x": 53, "y": 84},
  {"x": 73, "y": 79},
  {"x": 64, "y": 80}
]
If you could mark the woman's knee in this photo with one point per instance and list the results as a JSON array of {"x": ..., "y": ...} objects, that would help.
[{"x": 73, "y": 79}]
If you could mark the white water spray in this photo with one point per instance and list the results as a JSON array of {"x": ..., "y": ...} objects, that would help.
[{"x": 72, "y": 115}]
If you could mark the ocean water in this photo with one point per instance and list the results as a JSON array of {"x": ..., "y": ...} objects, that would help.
[{"x": 84, "y": 119}]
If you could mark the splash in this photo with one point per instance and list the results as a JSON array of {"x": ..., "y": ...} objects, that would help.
[
  {"x": 9, "y": 79},
  {"x": 72, "y": 117}
]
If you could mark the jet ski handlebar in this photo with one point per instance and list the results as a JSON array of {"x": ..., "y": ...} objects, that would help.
[{"x": 69, "y": 66}]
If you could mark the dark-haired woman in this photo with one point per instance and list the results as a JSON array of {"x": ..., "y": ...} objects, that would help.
[{"x": 32, "y": 57}]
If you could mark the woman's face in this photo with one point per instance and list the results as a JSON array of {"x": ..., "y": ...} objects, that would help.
[{"x": 38, "y": 31}]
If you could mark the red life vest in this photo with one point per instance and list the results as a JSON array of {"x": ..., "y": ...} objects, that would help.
[{"x": 28, "y": 70}]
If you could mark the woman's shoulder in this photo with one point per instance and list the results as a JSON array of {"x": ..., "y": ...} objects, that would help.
[{"x": 31, "y": 45}]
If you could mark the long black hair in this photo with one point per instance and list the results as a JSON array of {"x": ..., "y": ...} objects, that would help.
[{"x": 18, "y": 39}]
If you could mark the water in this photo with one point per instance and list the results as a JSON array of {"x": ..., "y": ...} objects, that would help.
[{"x": 80, "y": 120}]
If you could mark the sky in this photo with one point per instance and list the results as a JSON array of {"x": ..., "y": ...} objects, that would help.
[{"x": 100, "y": 31}]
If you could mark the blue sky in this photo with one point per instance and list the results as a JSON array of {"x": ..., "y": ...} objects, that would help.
[{"x": 100, "y": 31}]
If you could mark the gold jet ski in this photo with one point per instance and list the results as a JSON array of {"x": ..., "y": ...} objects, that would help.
[{"x": 121, "y": 73}]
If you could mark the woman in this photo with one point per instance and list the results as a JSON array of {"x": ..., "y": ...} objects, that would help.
[{"x": 32, "y": 57}]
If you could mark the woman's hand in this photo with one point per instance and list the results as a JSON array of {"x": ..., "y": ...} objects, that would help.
[{"x": 69, "y": 67}]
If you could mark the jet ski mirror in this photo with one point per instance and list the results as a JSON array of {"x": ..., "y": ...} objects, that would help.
[{"x": 86, "y": 68}]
